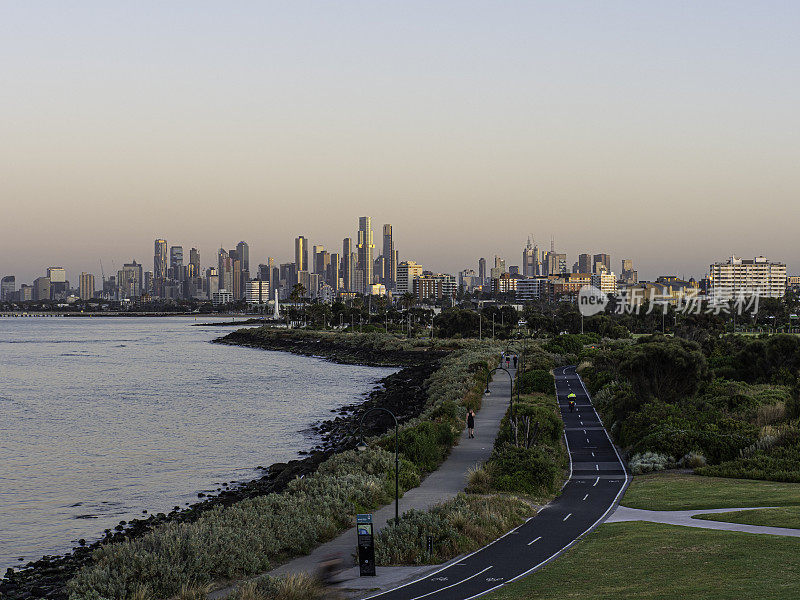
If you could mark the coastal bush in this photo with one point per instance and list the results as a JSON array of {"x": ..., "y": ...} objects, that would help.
[
  {"x": 296, "y": 586},
  {"x": 535, "y": 471},
  {"x": 647, "y": 462},
  {"x": 461, "y": 525},
  {"x": 693, "y": 460},
  {"x": 478, "y": 480},
  {"x": 536, "y": 380}
]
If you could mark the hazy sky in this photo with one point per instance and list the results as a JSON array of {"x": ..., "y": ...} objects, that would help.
[{"x": 663, "y": 132}]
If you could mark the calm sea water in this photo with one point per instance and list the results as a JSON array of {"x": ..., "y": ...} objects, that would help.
[{"x": 104, "y": 418}]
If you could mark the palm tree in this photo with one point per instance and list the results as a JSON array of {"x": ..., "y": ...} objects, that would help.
[{"x": 408, "y": 300}]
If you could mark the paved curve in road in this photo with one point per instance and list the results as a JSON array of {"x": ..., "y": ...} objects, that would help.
[{"x": 597, "y": 480}]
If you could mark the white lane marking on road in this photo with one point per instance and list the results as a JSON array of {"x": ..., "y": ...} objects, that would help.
[
  {"x": 586, "y": 496},
  {"x": 534, "y": 541},
  {"x": 452, "y": 584},
  {"x": 567, "y": 517},
  {"x": 584, "y": 431},
  {"x": 587, "y": 440},
  {"x": 596, "y": 482},
  {"x": 597, "y": 467},
  {"x": 592, "y": 454}
]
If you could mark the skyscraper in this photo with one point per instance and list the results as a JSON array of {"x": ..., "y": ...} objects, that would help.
[
  {"x": 365, "y": 248},
  {"x": 86, "y": 286},
  {"x": 176, "y": 262},
  {"x": 584, "y": 263},
  {"x": 160, "y": 266},
  {"x": 224, "y": 271},
  {"x": 301, "y": 253},
  {"x": 194, "y": 263},
  {"x": 243, "y": 250},
  {"x": 389, "y": 258},
  {"x": 8, "y": 288},
  {"x": 333, "y": 271},
  {"x": 482, "y": 270},
  {"x": 603, "y": 259},
  {"x": 347, "y": 264},
  {"x": 530, "y": 260}
]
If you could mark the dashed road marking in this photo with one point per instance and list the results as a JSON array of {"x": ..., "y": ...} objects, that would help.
[
  {"x": 596, "y": 481},
  {"x": 567, "y": 517},
  {"x": 452, "y": 584},
  {"x": 534, "y": 541},
  {"x": 586, "y": 496}
]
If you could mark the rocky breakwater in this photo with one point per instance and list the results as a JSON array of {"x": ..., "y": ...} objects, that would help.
[{"x": 403, "y": 393}]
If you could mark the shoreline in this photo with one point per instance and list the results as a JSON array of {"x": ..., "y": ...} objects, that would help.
[{"x": 402, "y": 392}]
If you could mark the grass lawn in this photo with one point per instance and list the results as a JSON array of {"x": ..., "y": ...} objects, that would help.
[
  {"x": 679, "y": 491},
  {"x": 655, "y": 561},
  {"x": 768, "y": 517}
]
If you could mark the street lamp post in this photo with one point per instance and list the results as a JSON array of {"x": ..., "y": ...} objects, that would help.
[
  {"x": 362, "y": 446},
  {"x": 510, "y": 391}
]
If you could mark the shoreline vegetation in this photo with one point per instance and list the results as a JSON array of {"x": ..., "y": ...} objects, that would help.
[{"x": 159, "y": 556}]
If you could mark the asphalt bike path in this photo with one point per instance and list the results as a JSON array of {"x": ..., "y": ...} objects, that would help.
[{"x": 597, "y": 481}]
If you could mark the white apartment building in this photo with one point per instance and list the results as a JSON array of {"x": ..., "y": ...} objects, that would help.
[
  {"x": 258, "y": 292},
  {"x": 531, "y": 289},
  {"x": 406, "y": 272},
  {"x": 738, "y": 276},
  {"x": 605, "y": 281},
  {"x": 221, "y": 297}
]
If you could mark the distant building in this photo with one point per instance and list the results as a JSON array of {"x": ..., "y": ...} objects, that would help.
[
  {"x": 406, "y": 272},
  {"x": 301, "y": 253},
  {"x": 605, "y": 282},
  {"x": 258, "y": 292},
  {"x": 506, "y": 282},
  {"x": 482, "y": 270},
  {"x": 601, "y": 259},
  {"x": 8, "y": 288},
  {"x": 585, "y": 263},
  {"x": 347, "y": 264},
  {"x": 26, "y": 293},
  {"x": 160, "y": 266},
  {"x": 221, "y": 297},
  {"x": 41, "y": 288},
  {"x": 57, "y": 274},
  {"x": 531, "y": 289},
  {"x": 738, "y": 276},
  {"x": 86, "y": 286},
  {"x": 176, "y": 263},
  {"x": 365, "y": 249},
  {"x": 389, "y": 258},
  {"x": 530, "y": 260},
  {"x": 130, "y": 280}
]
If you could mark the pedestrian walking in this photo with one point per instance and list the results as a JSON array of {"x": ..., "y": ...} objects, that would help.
[
  {"x": 471, "y": 423},
  {"x": 515, "y": 361}
]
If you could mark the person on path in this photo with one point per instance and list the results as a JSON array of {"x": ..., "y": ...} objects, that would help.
[
  {"x": 571, "y": 399},
  {"x": 515, "y": 361},
  {"x": 471, "y": 423}
]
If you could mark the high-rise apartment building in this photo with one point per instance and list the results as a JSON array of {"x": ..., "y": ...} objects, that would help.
[
  {"x": 160, "y": 267},
  {"x": 301, "y": 253},
  {"x": 365, "y": 248},
  {"x": 482, "y": 270},
  {"x": 130, "y": 280},
  {"x": 176, "y": 263},
  {"x": 333, "y": 271},
  {"x": 8, "y": 288},
  {"x": 738, "y": 277},
  {"x": 389, "y": 258},
  {"x": 530, "y": 260},
  {"x": 194, "y": 263},
  {"x": 584, "y": 263},
  {"x": 406, "y": 272},
  {"x": 243, "y": 251},
  {"x": 41, "y": 288},
  {"x": 86, "y": 286},
  {"x": 347, "y": 264},
  {"x": 628, "y": 275},
  {"x": 604, "y": 259},
  {"x": 225, "y": 271},
  {"x": 57, "y": 274}
]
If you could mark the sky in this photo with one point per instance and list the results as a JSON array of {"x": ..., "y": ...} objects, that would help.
[{"x": 664, "y": 132}]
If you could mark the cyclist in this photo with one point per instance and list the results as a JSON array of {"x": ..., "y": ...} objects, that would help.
[{"x": 571, "y": 399}]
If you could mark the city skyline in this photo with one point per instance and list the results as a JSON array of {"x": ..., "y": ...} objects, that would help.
[
  {"x": 662, "y": 133},
  {"x": 208, "y": 257}
]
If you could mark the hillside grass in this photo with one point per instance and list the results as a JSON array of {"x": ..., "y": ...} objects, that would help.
[
  {"x": 680, "y": 491},
  {"x": 788, "y": 516},
  {"x": 651, "y": 560}
]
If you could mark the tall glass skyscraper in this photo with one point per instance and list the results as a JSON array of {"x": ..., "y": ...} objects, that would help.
[{"x": 365, "y": 248}]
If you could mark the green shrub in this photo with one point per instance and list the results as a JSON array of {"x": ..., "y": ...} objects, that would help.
[
  {"x": 537, "y": 380},
  {"x": 532, "y": 471},
  {"x": 648, "y": 462},
  {"x": 457, "y": 526}
]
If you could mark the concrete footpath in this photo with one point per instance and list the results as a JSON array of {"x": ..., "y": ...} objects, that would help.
[
  {"x": 443, "y": 484},
  {"x": 686, "y": 519}
]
